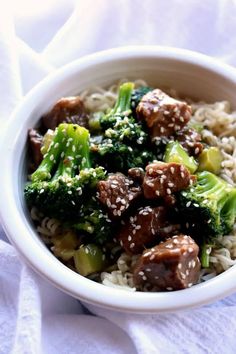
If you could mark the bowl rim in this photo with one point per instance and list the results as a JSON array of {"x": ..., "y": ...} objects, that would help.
[{"x": 51, "y": 268}]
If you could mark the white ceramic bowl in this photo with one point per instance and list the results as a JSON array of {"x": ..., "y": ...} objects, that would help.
[{"x": 191, "y": 74}]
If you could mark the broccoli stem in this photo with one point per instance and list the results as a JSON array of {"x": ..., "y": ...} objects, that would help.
[
  {"x": 69, "y": 151},
  {"x": 205, "y": 255},
  {"x": 51, "y": 158},
  {"x": 124, "y": 98},
  {"x": 228, "y": 211},
  {"x": 76, "y": 154}
]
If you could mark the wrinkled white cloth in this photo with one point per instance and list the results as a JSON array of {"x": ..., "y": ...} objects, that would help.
[{"x": 35, "y": 38}]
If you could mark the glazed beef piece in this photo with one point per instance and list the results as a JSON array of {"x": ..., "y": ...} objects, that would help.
[
  {"x": 164, "y": 115},
  {"x": 190, "y": 139},
  {"x": 117, "y": 193},
  {"x": 171, "y": 265},
  {"x": 148, "y": 226},
  {"x": 162, "y": 179},
  {"x": 137, "y": 174},
  {"x": 66, "y": 110},
  {"x": 35, "y": 142}
]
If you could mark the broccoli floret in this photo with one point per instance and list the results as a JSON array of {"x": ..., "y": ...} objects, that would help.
[
  {"x": 137, "y": 96},
  {"x": 57, "y": 189},
  {"x": 94, "y": 222},
  {"x": 208, "y": 207},
  {"x": 125, "y": 143}
]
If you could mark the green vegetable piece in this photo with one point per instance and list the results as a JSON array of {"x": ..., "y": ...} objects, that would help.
[
  {"x": 65, "y": 244},
  {"x": 88, "y": 259},
  {"x": 210, "y": 160},
  {"x": 176, "y": 153},
  {"x": 208, "y": 207},
  {"x": 64, "y": 180},
  {"x": 47, "y": 139},
  {"x": 205, "y": 255},
  {"x": 196, "y": 125},
  {"x": 125, "y": 142}
]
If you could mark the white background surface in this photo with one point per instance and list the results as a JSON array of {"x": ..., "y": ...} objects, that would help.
[{"x": 35, "y": 38}]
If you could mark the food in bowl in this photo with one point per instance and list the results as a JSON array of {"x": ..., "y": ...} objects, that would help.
[{"x": 134, "y": 187}]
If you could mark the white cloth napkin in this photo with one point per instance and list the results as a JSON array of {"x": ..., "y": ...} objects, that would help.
[{"x": 35, "y": 38}]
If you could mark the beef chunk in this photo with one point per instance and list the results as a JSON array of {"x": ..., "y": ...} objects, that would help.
[
  {"x": 163, "y": 179},
  {"x": 146, "y": 227},
  {"x": 118, "y": 192},
  {"x": 190, "y": 139},
  {"x": 137, "y": 174},
  {"x": 35, "y": 143},
  {"x": 66, "y": 110},
  {"x": 171, "y": 265},
  {"x": 163, "y": 114}
]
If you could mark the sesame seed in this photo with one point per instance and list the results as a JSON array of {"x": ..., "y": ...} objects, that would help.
[
  {"x": 69, "y": 192},
  {"x": 168, "y": 191},
  {"x": 141, "y": 273},
  {"x": 132, "y": 245},
  {"x": 196, "y": 151},
  {"x": 129, "y": 238},
  {"x": 169, "y": 246},
  {"x": 169, "y": 288},
  {"x": 148, "y": 270},
  {"x": 179, "y": 266},
  {"x": 172, "y": 170},
  {"x": 188, "y": 204},
  {"x": 146, "y": 254},
  {"x": 190, "y": 249},
  {"x": 157, "y": 193},
  {"x": 152, "y": 257},
  {"x": 121, "y": 243},
  {"x": 156, "y": 277},
  {"x": 51, "y": 157},
  {"x": 190, "y": 284},
  {"x": 144, "y": 277}
]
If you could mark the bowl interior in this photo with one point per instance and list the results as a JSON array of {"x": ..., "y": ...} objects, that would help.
[{"x": 191, "y": 77}]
